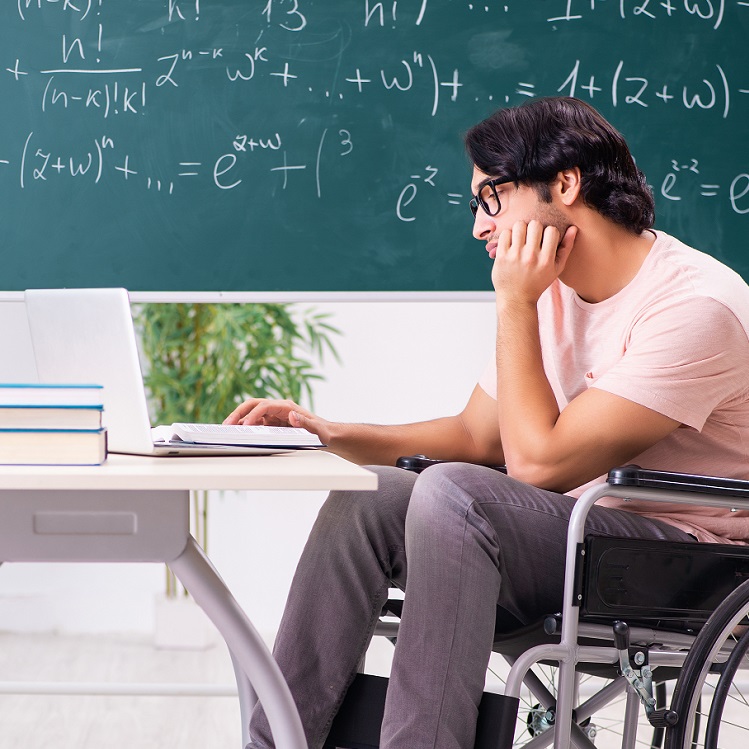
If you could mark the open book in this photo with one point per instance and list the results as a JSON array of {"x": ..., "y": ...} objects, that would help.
[{"x": 224, "y": 434}]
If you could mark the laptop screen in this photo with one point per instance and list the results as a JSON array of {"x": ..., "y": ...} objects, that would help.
[{"x": 87, "y": 336}]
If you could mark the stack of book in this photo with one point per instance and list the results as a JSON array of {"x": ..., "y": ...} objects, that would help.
[{"x": 44, "y": 424}]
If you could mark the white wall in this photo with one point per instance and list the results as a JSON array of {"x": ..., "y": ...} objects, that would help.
[{"x": 401, "y": 362}]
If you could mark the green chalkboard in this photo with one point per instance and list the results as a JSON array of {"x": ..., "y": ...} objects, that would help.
[{"x": 301, "y": 145}]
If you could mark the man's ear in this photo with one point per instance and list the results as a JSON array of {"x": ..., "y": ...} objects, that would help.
[{"x": 568, "y": 184}]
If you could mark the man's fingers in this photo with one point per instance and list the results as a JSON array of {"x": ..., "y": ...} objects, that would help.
[
  {"x": 297, "y": 419},
  {"x": 311, "y": 423},
  {"x": 565, "y": 246},
  {"x": 535, "y": 235},
  {"x": 241, "y": 411},
  {"x": 550, "y": 242},
  {"x": 266, "y": 414},
  {"x": 519, "y": 233},
  {"x": 262, "y": 411}
]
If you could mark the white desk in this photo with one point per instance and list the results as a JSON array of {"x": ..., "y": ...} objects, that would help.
[{"x": 136, "y": 509}]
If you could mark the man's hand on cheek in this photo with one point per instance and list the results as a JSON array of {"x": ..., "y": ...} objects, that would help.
[{"x": 529, "y": 257}]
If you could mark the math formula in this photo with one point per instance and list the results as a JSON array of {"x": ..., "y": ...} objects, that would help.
[{"x": 234, "y": 119}]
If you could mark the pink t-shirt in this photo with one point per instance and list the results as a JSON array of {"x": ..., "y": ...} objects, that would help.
[{"x": 676, "y": 340}]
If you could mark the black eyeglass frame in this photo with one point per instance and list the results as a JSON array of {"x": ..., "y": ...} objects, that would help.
[{"x": 477, "y": 201}]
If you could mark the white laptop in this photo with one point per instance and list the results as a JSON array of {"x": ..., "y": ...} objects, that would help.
[{"x": 87, "y": 336}]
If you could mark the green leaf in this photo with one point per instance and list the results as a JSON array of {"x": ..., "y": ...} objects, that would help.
[{"x": 201, "y": 360}]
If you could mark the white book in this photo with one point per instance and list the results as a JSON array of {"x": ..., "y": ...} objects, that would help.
[
  {"x": 50, "y": 417},
  {"x": 239, "y": 434},
  {"x": 50, "y": 394},
  {"x": 53, "y": 446}
]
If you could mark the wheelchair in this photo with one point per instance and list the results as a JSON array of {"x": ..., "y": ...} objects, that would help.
[{"x": 650, "y": 648}]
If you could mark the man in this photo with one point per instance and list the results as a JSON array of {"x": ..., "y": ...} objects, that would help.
[{"x": 615, "y": 344}]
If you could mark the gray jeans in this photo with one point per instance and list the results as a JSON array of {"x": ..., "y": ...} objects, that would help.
[{"x": 460, "y": 540}]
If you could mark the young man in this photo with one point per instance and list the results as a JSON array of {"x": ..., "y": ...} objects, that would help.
[{"x": 615, "y": 344}]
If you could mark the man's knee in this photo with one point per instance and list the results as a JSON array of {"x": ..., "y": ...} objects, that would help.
[
  {"x": 448, "y": 492},
  {"x": 460, "y": 483}
]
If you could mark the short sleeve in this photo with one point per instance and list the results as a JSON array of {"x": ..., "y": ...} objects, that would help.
[{"x": 683, "y": 361}]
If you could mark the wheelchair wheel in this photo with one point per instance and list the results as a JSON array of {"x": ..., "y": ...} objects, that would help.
[{"x": 710, "y": 685}]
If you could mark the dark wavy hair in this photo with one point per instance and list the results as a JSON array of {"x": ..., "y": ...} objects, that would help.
[{"x": 530, "y": 144}]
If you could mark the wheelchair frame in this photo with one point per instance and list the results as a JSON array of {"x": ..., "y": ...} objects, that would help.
[{"x": 569, "y": 653}]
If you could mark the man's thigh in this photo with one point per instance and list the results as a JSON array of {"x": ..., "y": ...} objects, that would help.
[{"x": 530, "y": 526}]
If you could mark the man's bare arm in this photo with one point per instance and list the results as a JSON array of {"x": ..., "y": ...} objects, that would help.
[
  {"x": 597, "y": 430},
  {"x": 470, "y": 436},
  {"x": 560, "y": 451}
]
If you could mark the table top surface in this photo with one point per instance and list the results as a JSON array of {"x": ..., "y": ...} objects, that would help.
[{"x": 303, "y": 470}]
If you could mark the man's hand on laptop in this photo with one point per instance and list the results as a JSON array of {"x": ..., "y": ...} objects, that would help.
[{"x": 279, "y": 413}]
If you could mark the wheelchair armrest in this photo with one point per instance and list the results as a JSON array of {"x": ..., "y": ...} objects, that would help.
[
  {"x": 626, "y": 476},
  {"x": 687, "y": 482},
  {"x": 417, "y": 463}
]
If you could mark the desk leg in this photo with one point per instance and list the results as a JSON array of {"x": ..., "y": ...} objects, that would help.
[
  {"x": 202, "y": 581},
  {"x": 247, "y": 698}
]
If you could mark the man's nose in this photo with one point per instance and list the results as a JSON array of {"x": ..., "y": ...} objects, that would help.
[{"x": 483, "y": 225}]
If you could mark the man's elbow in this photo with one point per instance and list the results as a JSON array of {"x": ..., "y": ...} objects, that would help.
[{"x": 540, "y": 474}]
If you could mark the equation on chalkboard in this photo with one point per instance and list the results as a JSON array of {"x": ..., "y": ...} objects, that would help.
[{"x": 294, "y": 145}]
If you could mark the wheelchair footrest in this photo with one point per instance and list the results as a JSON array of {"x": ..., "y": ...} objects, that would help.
[
  {"x": 358, "y": 723},
  {"x": 663, "y": 718}
]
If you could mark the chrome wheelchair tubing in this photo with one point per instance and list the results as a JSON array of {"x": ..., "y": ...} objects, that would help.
[
  {"x": 535, "y": 685},
  {"x": 568, "y": 653},
  {"x": 386, "y": 629},
  {"x": 587, "y": 654},
  {"x": 642, "y": 636},
  {"x": 600, "y": 699},
  {"x": 630, "y": 719},
  {"x": 578, "y": 740}
]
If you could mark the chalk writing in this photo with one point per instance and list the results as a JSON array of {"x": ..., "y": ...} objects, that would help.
[
  {"x": 375, "y": 13},
  {"x": 710, "y": 11},
  {"x": 293, "y": 18},
  {"x": 108, "y": 99},
  {"x": 216, "y": 119},
  {"x": 639, "y": 90},
  {"x": 42, "y": 163},
  {"x": 681, "y": 182}
]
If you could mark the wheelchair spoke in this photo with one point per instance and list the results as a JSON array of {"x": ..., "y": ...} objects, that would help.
[
  {"x": 615, "y": 732},
  {"x": 713, "y": 673},
  {"x": 734, "y": 725},
  {"x": 738, "y": 696}
]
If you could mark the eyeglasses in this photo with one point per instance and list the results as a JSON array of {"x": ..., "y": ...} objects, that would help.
[{"x": 487, "y": 197}]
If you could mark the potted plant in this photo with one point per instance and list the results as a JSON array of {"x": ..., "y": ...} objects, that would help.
[{"x": 202, "y": 360}]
